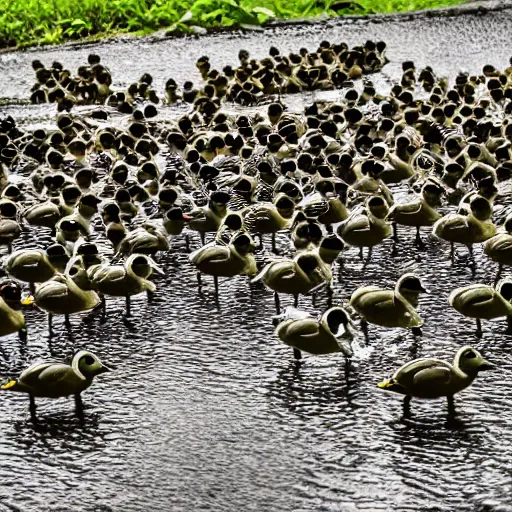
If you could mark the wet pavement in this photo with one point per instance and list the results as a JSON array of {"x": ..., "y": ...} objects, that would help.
[{"x": 205, "y": 409}]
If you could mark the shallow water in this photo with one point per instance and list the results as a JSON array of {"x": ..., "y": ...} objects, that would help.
[{"x": 206, "y": 410}]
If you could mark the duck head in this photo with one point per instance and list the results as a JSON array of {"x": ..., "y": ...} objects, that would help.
[
  {"x": 378, "y": 207},
  {"x": 10, "y": 292},
  {"x": 337, "y": 321},
  {"x": 481, "y": 208},
  {"x": 88, "y": 365},
  {"x": 410, "y": 287},
  {"x": 469, "y": 361},
  {"x": 243, "y": 243}
]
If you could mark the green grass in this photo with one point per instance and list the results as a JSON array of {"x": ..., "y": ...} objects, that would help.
[{"x": 28, "y": 22}]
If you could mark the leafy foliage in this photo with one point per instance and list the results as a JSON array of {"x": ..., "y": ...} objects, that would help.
[{"x": 26, "y": 22}]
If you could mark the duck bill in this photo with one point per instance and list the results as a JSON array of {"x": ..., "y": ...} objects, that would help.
[
  {"x": 485, "y": 366},
  {"x": 103, "y": 369},
  {"x": 156, "y": 268},
  {"x": 28, "y": 301}
]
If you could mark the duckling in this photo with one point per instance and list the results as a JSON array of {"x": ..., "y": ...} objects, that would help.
[
  {"x": 306, "y": 233},
  {"x": 226, "y": 261},
  {"x": 297, "y": 276},
  {"x": 207, "y": 218},
  {"x": 327, "y": 334},
  {"x": 54, "y": 380},
  {"x": 433, "y": 378},
  {"x": 30, "y": 265},
  {"x": 269, "y": 218},
  {"x": 61, "y": 296},
  {"x": 366, "y": 227},
  {"x": 9, "y": 227},
  {"x": 124, "y": 280},
  {"x": 85, "y": 211},
  {"x": 231, "y": 224},
  {"x": 150, "y": 238},
  {"x": 175, "y": 220},
  {"x": 68, "y": 232},
  {"x": 11, "y": 318},
  {"x": 115, "y": 230},
  {"x": 499, "y": 246},
  {"x": 57, "y": 256},
  {"x": 420, "y": 211},
  {"x": 484, "y": 302},
  {"x": 45, "y": 214},
  {"x": 390, "y": 308},
  {"x": 467, "y": 229}
]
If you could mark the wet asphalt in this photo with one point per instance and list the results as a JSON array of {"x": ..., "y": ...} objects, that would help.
[{"x": 205, "y": 409}]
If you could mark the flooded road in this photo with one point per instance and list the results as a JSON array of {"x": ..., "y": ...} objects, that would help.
[{"x": 206, "y": 410}]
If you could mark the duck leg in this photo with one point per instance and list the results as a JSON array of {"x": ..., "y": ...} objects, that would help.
[
  {"x": 32, "y": 288},
  {"x": 32, "y": 406},
  {"x": 67, "y": 322},
  {"x": 498, "y": 274},
  {"x": 22, "y": 334},
  {"x": 419, "y": 241},
  {"x": 150, "y": 296},
  {"x": 407, "y": 406},
  {"x": 361, "y": 252},
  {"x": 452, "y": 251},
  {"x": 187, "y": 243},
  {"x": 416, "y": 331},
  {"x": 274, "y": 248},
  {"x": 509, "y": 325},
  {"x": 128, "y": 306},
  {"x": 364, "y": 329},
  {"x": 479, "y": 331},
  {"x": 297, "y": 354},
  {"x": 330, "y": 294},
  {"x": 216, "y": 282},
  {"x": 278, "y": 303},
  {"x": 79, "y": 405},
  {"x": 296, "y": 300},
  {"x": 50, "y": 318},
  {"x": 451, "y": 406},
  {"x": 199, "y": 281},
  {"x": 395, "y": 231}
]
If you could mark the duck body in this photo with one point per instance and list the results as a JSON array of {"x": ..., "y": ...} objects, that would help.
[
  {"x": 499, "y": 248},
  {"x": 390, "y": 308},
  {"x": 316, "y": 336},
  {"x": 433, "y": 378},
  {"x": 45, "y": 214},
  {"x": 364, "y": 230},
  {"x": 480, "y": 301},
  {"x": 463, "y": 229},
  {"x": 226, "y": 261},
  {"x": 61, "y": 296},
  {"x": 416, "y": 213},
  {"x": 30, "y": 265},
  {"x": 122, "y": 280},
  {"x": 11, "y": 321}
]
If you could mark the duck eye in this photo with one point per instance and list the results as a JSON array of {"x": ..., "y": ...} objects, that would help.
[
  {"x": 469, "y": 354},
  {"x": 88, "y": 360}
]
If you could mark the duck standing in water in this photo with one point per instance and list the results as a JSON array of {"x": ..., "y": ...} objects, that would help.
[
  {"x": 390, "y": 308},
  {"x": 55, "y": 380},
  {"x": 325, "y": 335},
  {"x": 11, "y": 318},
  {"x": 433, "y": 378}
]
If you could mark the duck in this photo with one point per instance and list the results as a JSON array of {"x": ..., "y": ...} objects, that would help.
[
  {"x": 390, "y": 308},
  {"x": 467, "y": 229},
  {"x": 50, "y": 379},
  {"x": 61, "y": 296},
  {"x": 10, "y": 228},
  {"x": 11, "y": 317},
  {"x": 226, "y": 261},
  {"x": 206, "y": 219},
  {"x": 297, "y": 276},
  {"x": 367, "y": 227},
  {"x": 125, "y": 280},
  {"x": 484, "y": 302},
  {"x": 499, "y": 247},
  {"x": 434, "y": 378},
  {"x": 30, "y": 265},
  {"x": 329, "y": 333},
  {"x": 150, "y": 238},
  {"x": 419, "y": 212},
  {"x": 45, "y": 214},
  {"x": 269, "y": 217},
  {"x": 175, "y": 220}
]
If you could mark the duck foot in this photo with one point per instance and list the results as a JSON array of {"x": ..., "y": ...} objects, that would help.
[{"x": 297, "y": 354}]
